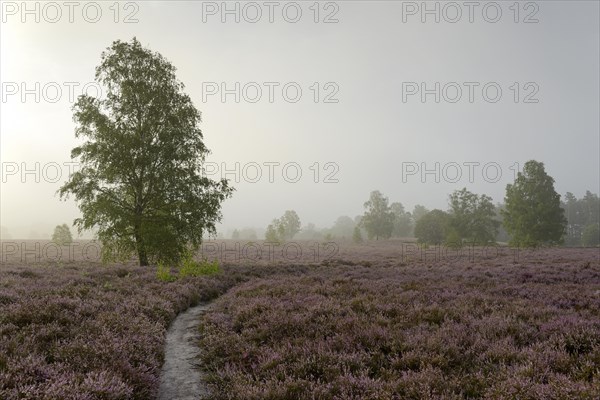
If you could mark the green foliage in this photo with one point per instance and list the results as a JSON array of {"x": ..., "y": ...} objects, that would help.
[
  {"x": 453, "y": 239},
  {"x": 418, "y": 212},
  {"x": 271, "y": 234},
  {"x": 191, "y": 267},
  {"x": 356, "y": 235},
  {"x": 140, "y": 185},
  {"x": 378, "y": 219},
  {"x": 580, "y": 213},
  {"x": 432, "y": 227},
  {"x": 473, "y": 217},
  {"x": 284, "y": 228},
  {"x": 188, "y": 267},
  {"x": 402, "y": 220},
  {"x": 163, "y": 273},
  {"x": 289, "y": 224},
  {"x": 62, "y": 235},
  {"x": 533, "y": 215},
  {"x": 343, "y": 227},
  {"x": 591, "y": 236},
  {"x": 502, "y": 235},
  {"x": 584, "y": 211}
]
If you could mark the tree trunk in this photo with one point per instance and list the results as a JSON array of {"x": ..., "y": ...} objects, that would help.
[
  {"x": 140, "y": 246},
  {"x": 142, "y": 256},
  {"x": 141, "y": 249}
]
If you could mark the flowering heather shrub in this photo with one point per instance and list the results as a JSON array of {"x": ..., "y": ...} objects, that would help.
[
  {"x": 92, "y": 332},
  {"x": 492, "y": 329}
]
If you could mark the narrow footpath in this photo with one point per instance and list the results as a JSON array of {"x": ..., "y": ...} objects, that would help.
[{"x": 180, "y": 379}]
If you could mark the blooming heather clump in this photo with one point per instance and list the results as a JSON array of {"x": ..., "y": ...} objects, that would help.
[
  {"x": 492, "y": 329},
  {"x": 78, "y": 332}
]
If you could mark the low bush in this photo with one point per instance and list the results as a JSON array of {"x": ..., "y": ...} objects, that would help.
[{"x": 191, "y": 267}]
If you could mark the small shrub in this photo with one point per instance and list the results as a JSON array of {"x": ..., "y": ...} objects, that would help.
[
  {"x": 191, "y": 267},
  {"x": 122, "y": 272},
  {"x": 163, "y": 273}
]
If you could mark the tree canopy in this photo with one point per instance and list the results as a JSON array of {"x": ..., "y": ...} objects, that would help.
[
  {"x": 533, "y": 215},
  {"x": 582, "y": 215},
  {"x": 402, "y": 220},
  {"x": 432, "y": 227},
  {"x": 283, "y": 228},
  {"x": 343, "y": 227},
  {"x": 140, "y": 182},
  {"x": 418, "y": 212},
  {"x": 472, "y": 217},
  {"x": 378, "y": 219},
  {"x": 62, "y": 235}
]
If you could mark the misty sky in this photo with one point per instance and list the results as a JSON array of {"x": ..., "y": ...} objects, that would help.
[{"x": 371, "y": 62}]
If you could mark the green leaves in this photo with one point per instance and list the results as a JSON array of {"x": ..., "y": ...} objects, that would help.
[
  {"x": 432, "y": 227},
  {"x": 402, "y": 220},
  {"x": 140, "y": 183},
  {"x": 533, "y": 214},
  {"x": 378, "y": 219},
  {"x": 62, "y": 235},
  {"x": 472, "y": 217},
  {"x": 284, "y": 228}
]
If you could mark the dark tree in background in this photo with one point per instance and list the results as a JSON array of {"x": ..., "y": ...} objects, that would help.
[
  {"x": 289, "y": 224},
  {"x": 62, "y": 235},
  {"x": 418, "y": 212},
  {"x": 432, "y": 228},
  {"x": 533, "y": 215},
  {"x": 591, "y": 236},
  {"x": 378, "y": 219},
  {"x": 402, "y": 220},
  {"x": 343, "y": 227},
  {"x": 583, "y": 217},
  {"x": 140, "y": 183},
  {"x": 284, "y": 228},
  {"x": 473, "y": 217}
]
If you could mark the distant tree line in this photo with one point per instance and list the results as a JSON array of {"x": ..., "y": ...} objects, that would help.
[
  {"x": 583, "y": 219},
  {"x": 532, "y": 215}
]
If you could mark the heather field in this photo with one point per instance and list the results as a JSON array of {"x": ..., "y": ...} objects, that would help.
[
  {"x": 368, "y": 326},
  {"x": 77, "y": 330},
  {"x": 87, "y": 332},
  {"x": 385, "y": 320}
]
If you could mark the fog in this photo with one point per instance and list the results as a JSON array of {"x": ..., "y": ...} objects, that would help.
[{"x": 313, "y": 116}]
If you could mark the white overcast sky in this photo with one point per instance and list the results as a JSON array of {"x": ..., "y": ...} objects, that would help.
[{"x": 367, "y": 61}]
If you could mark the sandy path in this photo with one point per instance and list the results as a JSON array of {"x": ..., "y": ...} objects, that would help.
[{"x": 179, "y": 378}]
